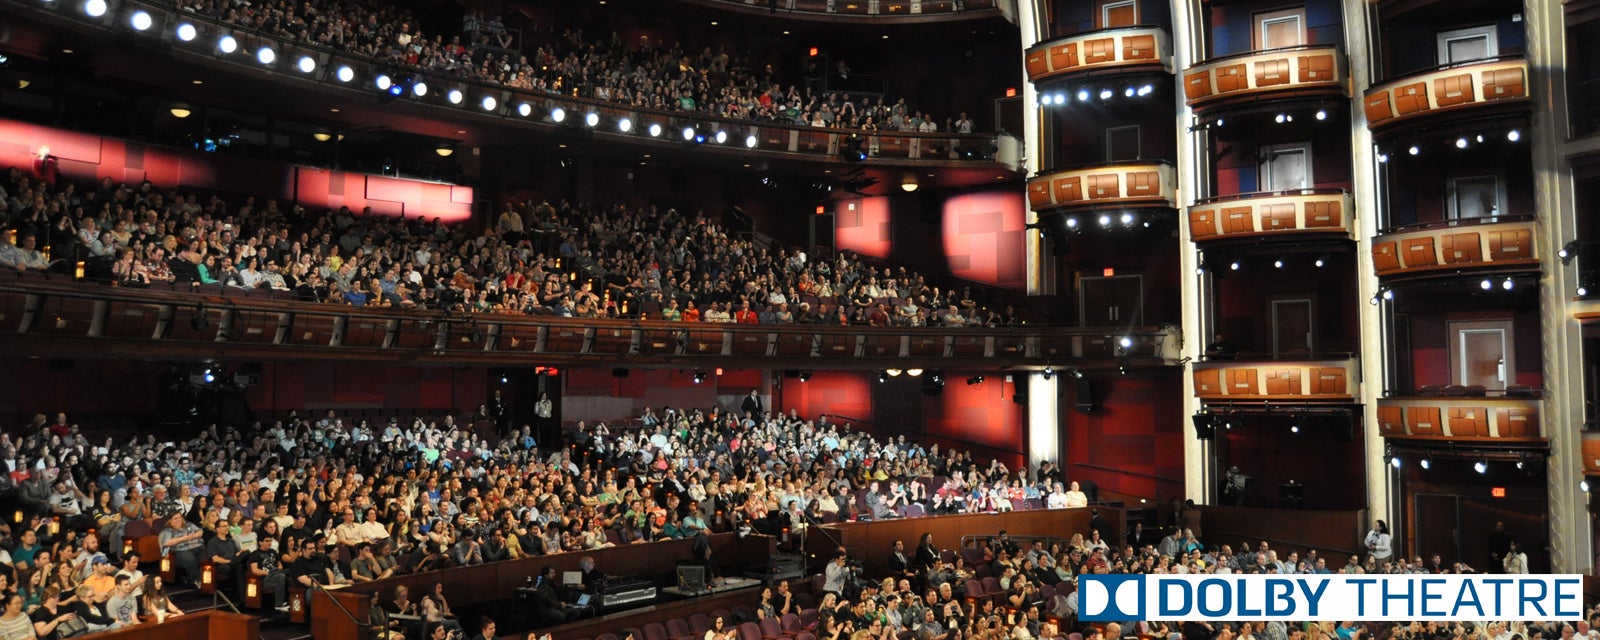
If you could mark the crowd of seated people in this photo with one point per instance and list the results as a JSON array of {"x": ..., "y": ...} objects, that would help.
[
  {"x": 318, "y": 500},
  {"x": 642, "y": 74},
  {"x": 566, "y": 260}
]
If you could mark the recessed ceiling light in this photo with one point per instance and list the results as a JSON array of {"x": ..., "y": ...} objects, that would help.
[
  {"x": 562, "y": 146},
  {"x": 646, "y": 155},
  {"x": 198, "y": 81},
  {"x": 68, "y": 51},
  {"x": 747, "y": 166},
  {"x": 334, "y": 109},
  {"x": 785, "y": 32},
  {"x": 461, "y": 131},
  {"x": 713, "y": 23},
  {"x": 885, "y": 36}
]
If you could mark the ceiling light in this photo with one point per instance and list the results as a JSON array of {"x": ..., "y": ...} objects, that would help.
[
  {"x": 655, "y": 130},
  {"x": 1582, "y": 291},
  {"x": 345, "y": 73},
  {"x": 1413, "y": 150},
  {"x": 180, "y": 112},
  {"x": 688, "y": 134},
  {"x": 95, "y": 8},
  {"x": 1294, "y": 428},
  {"x": 1486, "y": 284},
  {"x": 750, "y": 141},
  {"x": 1072, "y": 222},
  {"x": 1125, "y": 341},
  {"x": 1083, "y": 95},
  {"x": 1508, "y": 284},
  {"x": 455, "y": 96},
  {"x": 1388, "y": 294},
  {"x": 186, "y": 32},
  {"x": 913, "y": 372},
  {"x": 1395, "y": 462},
  {"x": 322, "y": 136},
  {"x": 1129, "y": 92},
  {"x": 1583, "y": 485},
  {"x": 1277, "y": 264},
  {"x": 1048, "y": 372},
  {"x": 722, "y": 136},
  {"x": 1320, "y": 262},
  {"x": 1221, "y": 122},
  {"x": 1383, "y": 158},
  {"x": 893, "y": 373},
  {"x": 489, "y": 103},
  {"x": 306, "y": 64},
  {"x": 266, "y": 55},
  {"x": 1105, "y": 220},
  {"x": 419, "y": 89},
  {"x": 1322, "y": 114},
  {"x": 624, "y": 125},
  {"x": 1061, "y": 98},
  {"x": 1481, "y": 467},
  {"x": 1234, "y": 265},
  {"x": 1105, "y": 94},
  {"x": 557, "y": 115},
  {"x": 909, "y": 185},
  {"x": 383, "y": 82},
  {"x": 227, "y": 44},
  {"x": 1146, "y": 90},
  {"x": 1513, "y": 135},
  {"x": 1280, "y": 118},
  {"x": 445, "y": 150},
  {"x": 1426, "y": 464},
  {"x": 592, "y": 119},
  {"x": 524, "y": 109},
  {"x": 1373, "y": 300},
  {"x": 140, "y": 20},
  {"x": 1461, "y": 143}
]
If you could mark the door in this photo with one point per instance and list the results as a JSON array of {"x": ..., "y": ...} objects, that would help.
[
  {"x": 1481, "y": 353},
  {"x": 1117, "y": 13},
  {"x": 1461, "y": 45},
  {"x": 1122, "y": 143},
  {"x": 1291, "y": 327},
  {"x": 1438, "y": 519},
  {"x": 1285, "y": 167},
  {"x": 1475, "y": 196},
  {"x": 1111, "y": 300},
  {"x": 1277, "y": 29}
]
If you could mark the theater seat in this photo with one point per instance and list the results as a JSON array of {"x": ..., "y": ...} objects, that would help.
[
  {"x": 677, "y": 629},
  {"x": 771, "y": 629},
  {"x": 791, "y": 625},
  {"x": 699, "y": 623},
  {"x": 655, "y": 631},
  {"x": 749, "y": 631}
]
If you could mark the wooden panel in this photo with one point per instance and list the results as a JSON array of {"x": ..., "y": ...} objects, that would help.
[
  {"x": 1208, "y": 382},
  {"x": 747, "y": 343},
  {"x": 792, "y": 343},
  {"x": 1329, "y": 381},
  {"x": 1039, "y": 193},
  {"x": 1038, "y": 63},
  {"x": 130, "y": 320},
  {"x": 1064, "y": 56},
  {"x": 309, "y": 330},
  {"x": 256, "y": 327},
  {"x": 1202, "y": 223},
  {"x": 1143, "y": 184},
  {"x": 925, "y": 346},
  {"x": 1067, "y": 189},
  {"x": 365, "y": 332},
  {"x": 1278, "y": 216},
  {"x": 560, "y": 339},
  {"x": 1272, "y": 72},
  {"x": 1517, "y": 422},
  {"x": 1411, "y": 98},
  {"x": 1510, "y": 244},
  {"x": 967, "y": 346},
  {"x": 1321, "y": 214},
  {"x": 1591, "y": 450},
  {"x": 1197, "y": 85},
  {"x": 1462, "y": 247},
  {"x": 1238, "y": 219},
  {"x": 416, "y": 334},
  {"x": 1453, "y": 90},
  {"x": 182, "y": 325},
  {"x": 1232, "y": 78},
  {"x": 612, "y": 341},
  {"x": 1469, "y": 421},
  {"x": 1316, "y": 68},
  {"x": 880, "y": 345},
  {"x": 1056, "y": 346},
  {"x": 1385, "y": 256},
  {"x": 1504, "y": 83},
  {"x": 1423, "y": 421},
  {"x": 704, "y": 342},
  {"x": 1105, "y": 185},
  {"x": 466, "y": 337},
  {"x": 1283, "y": 382},
  {"x": 1419, "y": 252},
  {"x": 1140, "y": 47},
  {"x": 658, "y": 341},
  {"x": 518, "y": 338},
  {"x": 1099, "y": 50},
  {"x": 1378, "y": 108},
  {"x": 1243, "y": 382},
  {"x": 835, "y": 344},
  {"x": 1391, "y": 420}
]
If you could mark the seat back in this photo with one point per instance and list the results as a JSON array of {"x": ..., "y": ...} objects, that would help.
[
  {"x": 655, "y": 631},
  {"x": 749, "y": 631},
  {"x": 791, "y": 624},
  {"x": 699, "y": 623},
  {"x": 677, "y": 628},
  {"x": 771, "y": 628}
]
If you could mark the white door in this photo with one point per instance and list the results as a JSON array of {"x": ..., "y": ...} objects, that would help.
[
  {"x": 1461, "y": 45},
  {"x": 1278, "y": 29},
  {"x": 1481, "y": 354},
  {"x": 1474, "y": 197},
  {"x": 1285, "y": 167}
]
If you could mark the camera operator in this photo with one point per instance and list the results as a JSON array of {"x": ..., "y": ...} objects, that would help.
[
  {"x": 548, "y": 603},
  {"x": 837, "y": 573}
]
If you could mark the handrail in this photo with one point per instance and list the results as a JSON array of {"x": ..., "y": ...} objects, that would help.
[
  {"x": 1246, "y": 357},
  {"x": 215, "y": 595},
  {"x": 1102, "y": 165},
  {"x": 1125, "y": 472},
  {"x": 1254, "y": 195},
  {"x": 1096, "y": 33},
  {"x": 1257, "y": 52},
  {"x": 1451, "y": 223},
  {"x": 361, "y": 626},
  {"x": 1447, "y": 66}
]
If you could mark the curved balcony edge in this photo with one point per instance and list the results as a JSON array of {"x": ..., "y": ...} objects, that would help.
[
  {"x": 862, "y": 11},
  {"x": 1469, "y": 420},
  {"x": 1435, "y": 249},
  {"x": 1278, "y": 381},
  {"x": 1120, "y": 184},
  {"x": 1290, "y": 72},
  {"x": 1478, "y": 86},
  {"x": 1288, "y": 214},
  {"x": 1117, "y": 50}
]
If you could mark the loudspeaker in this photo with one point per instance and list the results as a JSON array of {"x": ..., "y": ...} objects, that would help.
[
  {"x": 1204, "y": 428},
  {"x": 1085, "y": 395},
  {"x": 1292, "y": 495},
  {"x": 1019, "y": 389},
  {"x": 691, "y": 578}
]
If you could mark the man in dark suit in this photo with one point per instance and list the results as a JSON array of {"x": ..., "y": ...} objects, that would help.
[
  {"x": 752, "y": 404},
  {"x": 899, "y": 562}
]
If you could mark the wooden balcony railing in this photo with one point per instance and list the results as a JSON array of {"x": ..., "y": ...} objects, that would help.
[
  {"x": 1285, "y": 213},
  {"x": 41, "y": 315},
  {"x": 1313, "y": 381},
  {"x": 1464, "y": 420},
  {"x": 1469, "y": 86},
  {"x": 1123, "y": 49},
  {"x": 863, "y": 11},
  {"x": 1591, "y": 453},
  {"x": 1309, "y": 70},
  {"x": 1141, "y": 184},
  {"x": 1458, "y": 244}
]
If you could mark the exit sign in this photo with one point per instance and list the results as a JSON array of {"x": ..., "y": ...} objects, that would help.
[
  {"x": 1497, "y": 492},
  {"x": 1108, "y": 272}
]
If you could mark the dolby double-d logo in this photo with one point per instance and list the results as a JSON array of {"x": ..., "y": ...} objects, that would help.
[{"x": 1110, "y": 597}]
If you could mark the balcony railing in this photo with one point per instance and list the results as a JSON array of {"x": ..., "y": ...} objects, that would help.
[
  {"x": 1129, "y": 184},
  {"x": 1591, "y": 453},
  {"x": 1276, "y": 213},
  {"x": 1308, "y": 381},
  {"x": 1458, "y": 244},
  {"x": 1476, "y": 85},
  {"x": 1462, "y": 420},
  {"x": 52, "y": 316},
  {"x": 345, "y": 71},
  {"x": 1123, "y": 49},
  {"x": 1309, "y": 70},
  {"x": 874, "y": 11}
]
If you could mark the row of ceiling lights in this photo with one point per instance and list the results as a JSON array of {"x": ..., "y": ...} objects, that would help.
[{"x": 1084, "y": 94}]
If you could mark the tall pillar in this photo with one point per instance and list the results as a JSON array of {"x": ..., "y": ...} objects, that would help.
[
  {"x": 1188, "y": 47},
  {"x": 1031, "y": 22},
  {"x": 1044, "y": 419}
]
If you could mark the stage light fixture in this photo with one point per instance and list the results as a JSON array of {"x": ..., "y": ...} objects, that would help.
[
  {"x": 140, "y": 20},
  {"x": 625, "y": 125},
  {"x": 1129, "y": 92},
  {"x": 1413, "y": 150},
  {"x": 1125, "y": 342},
  {"x": 1083, "y": 95},
  {"x": 227, "y": 44},
  {"x": 1383, "y": 158},
  {"x": 557, "y": 115},
  {"x": 1281, "y": 118},
  {"x": 95, "y": 8},
  {"x": 1105, "y": 94},
  {"x": 1481, "y": 467},
  {"x": 1322, "y": 114},
  {"x": 1388, "y": 294},
  {"x": 1508, "y": 284},
  {"x": 524, "y": 109},
  {"x": 750, "y": 142},
  {"x": 186, "y": 32},
  {"x": 489, "y": 103},
  {"x": 1234, "y": 266},
  {"x": 306, "y": 64},
  {"x": 1320, "y": 262},
  {"x": 1513, "y": 135},
  {"x": 1048, "y": 373},
  {"x": 266, "y": 55},
  {"x": 1485, "y": 284},
  {"x": 655, "y": 130},
  {"x": 419, "y": 89},
  {"x": 893, "y": 373},
  {"x": 914, "y": 372},
  {"x": 383, "y": 82},
  {"x": 1127, "y": 218},
  {"x": 1583, "y": 485},
  {"x": 1060, "y": 99},
  {"x": 688, "y": 134},
  {"x": 1461, "y": 143},
  {"x": 592, "y": 119},
  {"x": 974, "y": 381},
  {"x": 882, "y": 378},
  {"x": 1277, "y": 264},
  {"x": 721, "y": 137},
  {"x": 1104, "y": 220},
  {"x": 1146, "y": 90},
  {"x": 1568, "y": 252},
  {"x": 1395, "y": 462},
  {"x": 1426, "y": 463},
  {"x": 1072, "y": 222},
  {"x": 345, "y": 73}
]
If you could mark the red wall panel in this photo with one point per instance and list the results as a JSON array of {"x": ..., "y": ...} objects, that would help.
[
  {"x": 984, "y": 238},
  {"x": 1133, "y": 440},
  {"x": 846, "y": 393},
  {"x": 862, "y": 225},
  {"x": 981, "y": 417}
]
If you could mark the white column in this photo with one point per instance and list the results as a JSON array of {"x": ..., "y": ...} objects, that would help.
[
  {"x": 1031, "y": 22},
  {"x": 1562, "y": 413},
  {"x": 1188, "y": 47},
  {"x": 1044, "y": 419},
  {"x": 1360, "y": 42}
]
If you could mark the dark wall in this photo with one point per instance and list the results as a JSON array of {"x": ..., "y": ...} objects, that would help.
[
  {"x": 1325, "y": 458},
  {"x": 1068, "y": 17},
  {"x": 1148, "y": 253},
  {"x": 1238, "y": 146},
  {"x": 1233, "y": 24},
  {"x": 1132, "y": 440},
  {"x": 1428, "y": 328},
  {"x": 1452, "y": 496},
  {"x": 90, "y": 390},
  {"x": 1244, "y": 300},
  {"x": 1411, "y": 41},
  {"x": 1418, "y": 185},
  {"x": 1080, "y": 126}
]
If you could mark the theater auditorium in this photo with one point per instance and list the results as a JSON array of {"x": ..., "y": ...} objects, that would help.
[{"x": 787, "y": 319}]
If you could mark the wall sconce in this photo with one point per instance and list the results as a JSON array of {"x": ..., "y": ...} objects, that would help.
[
  {"x": 17, "y": 517},
  {"x": 55, "y": 526}
]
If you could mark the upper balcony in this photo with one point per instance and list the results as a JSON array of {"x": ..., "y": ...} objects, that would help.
[
  {"x": 1505, "y": 420},
  {"x": 1101, "y": 52},
  {"x": 863, "y": 11},
  {"x": 1278, "y": 381},
  {"x": 1272, "y": 74},
  {"x": 1120, "y": 185},
  {"x": 1472, "y": 88},
  {"x": 1468, "y": 244},
  {"x": 1279, "y": 214}
]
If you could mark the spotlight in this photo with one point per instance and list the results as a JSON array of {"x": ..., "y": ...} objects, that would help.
[
  {"x": 557, "y": 115},
  {"x": 1294, "y": 428},
  {"x": 1146, "y": 90},
  {"x": 525, "y": 109},
  {"x": 1105, "y": 94},
  {"x": 1508, "y": 284},
  {"x": 1513, "y": 135},
  {"x": 1413, "y": 150},
  {"x": 1426, "y": 464},
  {"x": 1280, "y": 118},
  {"x": 186, "y": 32},
  {"x": 1322, "y": 114},
  {"x": 1583, "y": 485},
  {"x": 1568, "y": 252},
  {"x": 805, "y": 376},
  {"x": 1125, "y": 342},
  {"x": 882, "y": 378},
  {"x": 688, "y": 134},
  {"x": 1320, "y": 262},
  {"x": 750, "y": 141},
  {"x": 1221, "y": 122},
  {"x": 974, "y": 381},
  {"x": 893, "y": 373},
  {"x": 699, "y": 377},
  {"x": 913, "y": 372},
  {"x": 1480, "y": 138},
  {"x": 592, "y": 119},
  {"x": 210, "y": 376},
  {"x": 1277, "y": 264},
  {"x": 1582, "y": 291},
  {"x": 1388, "y": 294},
  {"x": 722, "y": 136},
  {"x": 266, "y": 55},
  {"x": 1481, "y": 467},
  {"x": 1083, "y": 95},
  {"x": 1122, "y": 369},
  {"x": 345, "y": 73},
  {"x": 655, "y": 130},
  {"x": 624, "y": 125},
  {"x": 489, "y": 103},
  {"x": 95, "y": 8},
  {"x": 1383, "y": 158},
  {"x": 1127, "y": 219},
  {"x": 1060, "y": 98},
  {"x": 1105, "y": 220},
  {"x": 1129, "y": 92},
  {"x": 1373, "y": 300},
  {"x": 1072, "y": 222},
  {"x": 504, "y": 379},
  {"x": 419, "y": 89},
  {"x": 1048, "y": 373},
  {"x": 383, "y": 82},
  {"x": 1461, "y": 143},
  {"x": 227, "y": 44},
  {"x": 1486, "y": 284},
  {"x": 306, "y": 64},
  {"x": 1234, "y": 265},
  {"x": 140, "y": 20}
]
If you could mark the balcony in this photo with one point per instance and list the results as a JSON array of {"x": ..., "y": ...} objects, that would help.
[
  {"x": 1499, "y": 242},
  {"x": 1121, "y": 185},
  {"x": 1290, "y": 72},
  {"x": 1119, "y": 50},
  {"x": 1591, "y": 453},
  {"x": 1479, "y": 86},
  {"x": 52, "y": 316},
  {"x": 1290, "y": 381},
  {"x": 1466, "y": 420},
  {"x": 1289, "y": 214},
  {"x": 864, "y": 11}
]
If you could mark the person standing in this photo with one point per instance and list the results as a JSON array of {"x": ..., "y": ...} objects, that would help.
[
  {"x": 752, "y": 404},
  {"x": 1516, "y": 561},
  {"x": 1379, "y": 542},
  {"x": 543, "y": 417}
]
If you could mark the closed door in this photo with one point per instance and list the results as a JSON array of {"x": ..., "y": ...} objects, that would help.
[
  {"x": 1291, "y": 327},
  {"x": 1474, "y": 196},
  {"x": 1122, "y": 143},
  {"x": 1462, "y": 45},
  {"x": 1285, "y": 167},
  {"x": 1111, "y": 300},
  {"x": 1118, "y": 13},
  {"x": 1277, "y": 29},
  {"x": 1481, "y": 353}
]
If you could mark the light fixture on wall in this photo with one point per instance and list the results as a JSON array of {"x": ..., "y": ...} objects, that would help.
[
  {"x": 322, "y": 136},
  {"x": 909, "y": 184},
  {"x": 179, "y": 111},
  {"x": 445, "y": 150}
]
